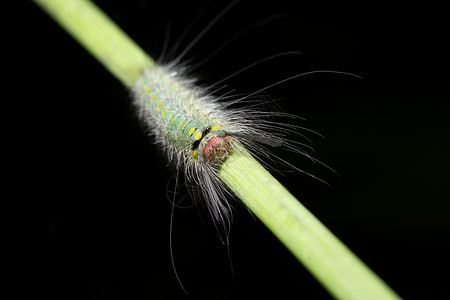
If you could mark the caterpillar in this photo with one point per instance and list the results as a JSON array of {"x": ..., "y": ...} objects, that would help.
[{"x": 198, "y": 131}]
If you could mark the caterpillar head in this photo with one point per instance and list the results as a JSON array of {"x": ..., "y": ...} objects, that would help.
[{"x": 214, "y": 147}]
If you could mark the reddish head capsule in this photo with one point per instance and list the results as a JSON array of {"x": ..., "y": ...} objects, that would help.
[{"x": 216, "y": 149}]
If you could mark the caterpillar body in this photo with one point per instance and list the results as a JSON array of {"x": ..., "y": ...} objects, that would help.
[{"x": 198, "y": 130}]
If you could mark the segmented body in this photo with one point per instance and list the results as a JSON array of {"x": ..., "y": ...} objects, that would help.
[
  {"x": 191, "y": 128},
  {"x": 198, "y": 131},
  {"x": 182, "y": 119}
]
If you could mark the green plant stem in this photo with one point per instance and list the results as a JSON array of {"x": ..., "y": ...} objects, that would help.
[{"x": 327, "y": 258}]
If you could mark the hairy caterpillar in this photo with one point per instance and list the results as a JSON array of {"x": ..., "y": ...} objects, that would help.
[{"x": 197, "y": 130}]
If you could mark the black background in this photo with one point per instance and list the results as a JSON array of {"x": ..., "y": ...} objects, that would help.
[{"x": 92, "y": 213}]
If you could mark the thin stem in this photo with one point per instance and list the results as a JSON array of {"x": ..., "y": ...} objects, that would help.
[{"x": 327, "y": 258}]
